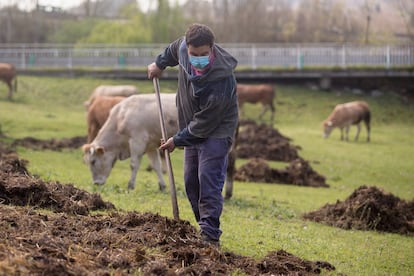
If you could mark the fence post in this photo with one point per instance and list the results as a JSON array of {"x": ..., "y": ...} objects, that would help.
[
  {"x": 299, "y": 58},
  {"x": 121, "y": 60},
  {"x": 388, "y": 57},
  {"x": 343, "y": 59},
  {"x": 254, "y": 54},
  {"x": 23, "y": 57},
  {"x": 32, "y": 59},
  {"x": 70, "y": 62}
]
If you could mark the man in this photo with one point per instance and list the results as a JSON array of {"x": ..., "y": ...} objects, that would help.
[{"x": 207, "y": 117}]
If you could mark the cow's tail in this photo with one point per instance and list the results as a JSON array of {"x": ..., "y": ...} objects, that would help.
[{"x": 367, "y": 121}]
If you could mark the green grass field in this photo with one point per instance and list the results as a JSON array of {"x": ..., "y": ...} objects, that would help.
[{"x": 260, "y": 217}]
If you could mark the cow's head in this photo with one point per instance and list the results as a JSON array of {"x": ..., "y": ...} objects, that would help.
[
  {"x": 327, "y": 128},
  {"x": 100, "y": 162}
]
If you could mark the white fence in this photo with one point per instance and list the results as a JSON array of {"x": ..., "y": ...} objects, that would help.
[{"x": 250, "y": 56}]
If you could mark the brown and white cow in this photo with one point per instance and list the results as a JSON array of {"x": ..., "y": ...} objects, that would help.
[
  {"x": 112, "y": 91},
  {"x": 347, "y": 114},
  {"x": 131, "y": 130},
  {"x": 257, "y": 93},
  {"x": 98, "y": 112},
  {"x": 7, "y": 75}
]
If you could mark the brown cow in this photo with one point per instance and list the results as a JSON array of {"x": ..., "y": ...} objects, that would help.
[
  {"x": 257, "y": 93},
  {"x": 111, "y": 90},
  {"x": 347, "y": 114},
  {"x": 7, "y": 74},
  {"x": 98, "y": 112}
]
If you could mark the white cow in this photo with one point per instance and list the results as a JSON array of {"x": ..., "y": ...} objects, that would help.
[
  {"x": 132, "y": 129},
  {"x": 111, "y": 90}
]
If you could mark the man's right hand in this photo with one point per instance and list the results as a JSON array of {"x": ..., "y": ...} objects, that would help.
[{"x": 154, "y": 71}]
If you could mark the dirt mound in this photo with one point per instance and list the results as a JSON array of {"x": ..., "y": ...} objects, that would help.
[
  {"x": 123, "y": 244},
  {"x": 71, "y": 241},
  {"x": 368, "y": 208},
  {"x": 262, "y": 141},
  {"x": 299, "y": 172},
  {"x": 52, "y": 144},
  {"x": 18, "y": 187}
]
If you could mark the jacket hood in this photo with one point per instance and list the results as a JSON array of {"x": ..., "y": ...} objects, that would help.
[{"x": 222, "y": 67}]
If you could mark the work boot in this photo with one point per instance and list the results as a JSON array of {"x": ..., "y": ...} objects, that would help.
[{"x": 210, "y": 241}]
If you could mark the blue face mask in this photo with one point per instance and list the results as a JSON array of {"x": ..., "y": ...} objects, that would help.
[{"x": 199, "y": 62}]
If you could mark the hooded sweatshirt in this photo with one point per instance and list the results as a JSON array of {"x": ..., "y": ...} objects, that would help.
[{"x": 207, "y": 103}]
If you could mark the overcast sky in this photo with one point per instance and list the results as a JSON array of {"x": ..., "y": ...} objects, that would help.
[{"x": 64, "y": 4}]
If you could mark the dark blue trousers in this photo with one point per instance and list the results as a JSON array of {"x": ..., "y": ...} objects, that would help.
[{"x": 205, "y": 167}]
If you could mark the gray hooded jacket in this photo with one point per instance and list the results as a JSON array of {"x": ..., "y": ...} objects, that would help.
[{"x": 207, "y": 103}]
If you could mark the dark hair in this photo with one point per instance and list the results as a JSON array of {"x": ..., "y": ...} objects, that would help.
[{"x": 199, "y": 35}]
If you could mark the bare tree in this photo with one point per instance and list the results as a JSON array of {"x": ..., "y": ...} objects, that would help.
[{"x": 405, "y": 12}]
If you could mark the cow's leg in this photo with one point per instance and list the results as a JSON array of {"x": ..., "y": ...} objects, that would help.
[
  {"x": 231, "y": 167},
  {"x": 273, "y": 109},
  {"x": 265, "y": 108},
  {"x": 137, "y": 149},
  {"x": 154, "y": 157},
  {"x": 241, "y": 110},
  {"x": 10, "y": 95},
  {"x": 347, "y": 133},
  {"x": 163, "y": 161},
  {"x": 342, "y": 133},
  {"x": 367, "y": 126},
  {"x": 358, "y": 130}
]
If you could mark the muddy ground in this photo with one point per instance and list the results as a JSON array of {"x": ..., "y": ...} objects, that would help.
[
  {"x": 47, "y": 228},
  {"x": 368, "y": 208},
  {"x": 51, "y": 144},
  {"x": 259, "y": 143},
  {"x": 263, "y": 141},
  {"x": 298, "y": 172}
]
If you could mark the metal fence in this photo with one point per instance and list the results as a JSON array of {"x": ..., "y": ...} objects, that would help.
[{"x": 250, "y": 56}]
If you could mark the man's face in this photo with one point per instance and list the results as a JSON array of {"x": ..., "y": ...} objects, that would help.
[{"x": 204, "y": 50}]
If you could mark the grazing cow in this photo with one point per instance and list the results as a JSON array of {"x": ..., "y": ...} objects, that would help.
[
  {"x": 98, "y": 112},
  {"x": 132, "y": 129},
  {"x": 111, "y": 90},
  {"x": 257, "y": 93},
  {"x": 347, "y": 114},
  {"x": 7, "y": 74}
]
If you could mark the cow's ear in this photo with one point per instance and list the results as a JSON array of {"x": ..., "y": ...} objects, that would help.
[
  {"x": 86, "y": 147},
  {"x": 100, "y": 150}
]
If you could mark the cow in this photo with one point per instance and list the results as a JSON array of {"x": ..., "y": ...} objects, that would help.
[
  {"x": 257, "y": 93},
  {"x": 98, "y": 112},
  {"x": 7, "y": 75},
  {"x": 347, "y": 114},
  {"x": 111, "y": 90},
  {"x": 97, "y": 115},
  {"x": 131, "y": 130}
]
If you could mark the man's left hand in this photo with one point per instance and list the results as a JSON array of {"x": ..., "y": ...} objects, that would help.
[{"x": 169, "y": 145}]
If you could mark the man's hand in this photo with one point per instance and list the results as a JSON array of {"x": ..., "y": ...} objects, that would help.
[
  {"x": 169, "y": 145},
  {"x": 154, "y": 71}
]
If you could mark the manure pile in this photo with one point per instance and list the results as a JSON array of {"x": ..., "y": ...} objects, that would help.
[
  {"x": 46, "y": 228},
  {"x": 368, "y": 208},
  {"x": 259, "y": 143}
]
